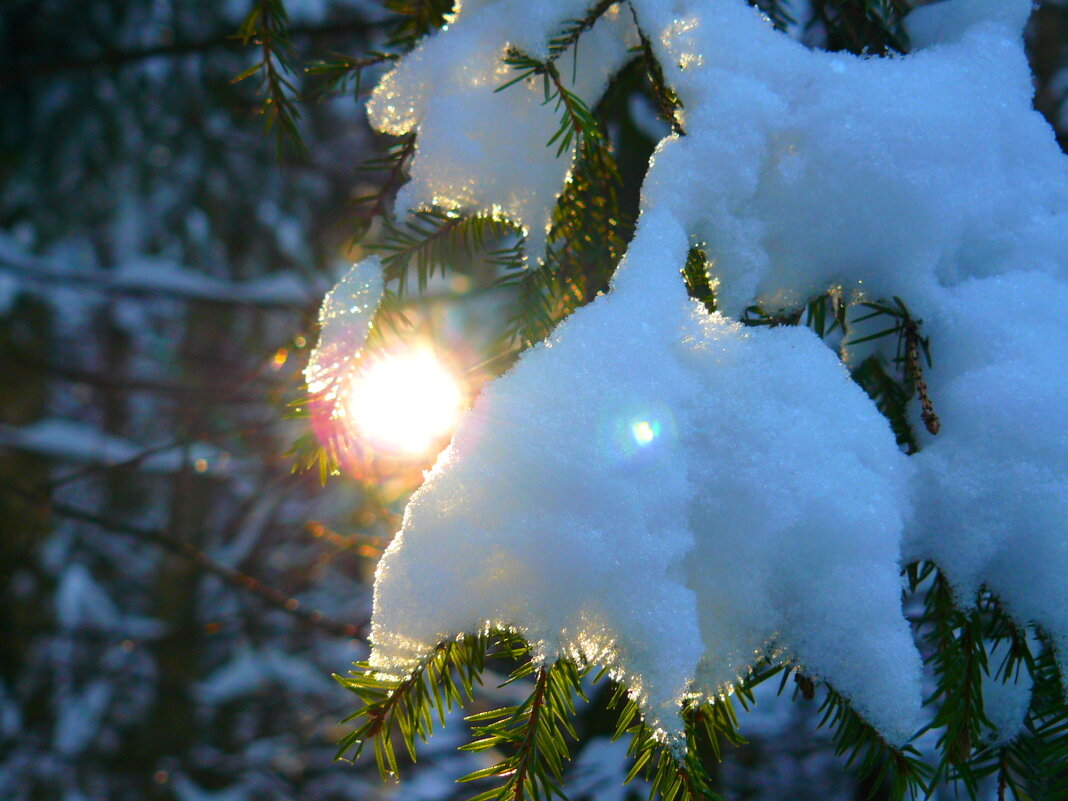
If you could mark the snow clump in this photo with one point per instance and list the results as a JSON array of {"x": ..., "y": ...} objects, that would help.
[
  {"x": 345, "y": 320},
  {"x": 674, "y": 495},
  {"x": 649, "y": 488},
  {"x": 484, "y": 151}
]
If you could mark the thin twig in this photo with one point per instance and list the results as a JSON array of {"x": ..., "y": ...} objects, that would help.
[
  {"x": 912, "y": 341},
  {"x": 529, "y": 744},
  {"x": 665, "y": 101},
  {"x": 236, "y": 578},
  {"x": 115, "y": 58}
]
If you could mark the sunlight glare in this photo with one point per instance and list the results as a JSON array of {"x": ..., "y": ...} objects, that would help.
[
  {"x": 404, "y": 402},
  {"x": 645, "y": 432}
]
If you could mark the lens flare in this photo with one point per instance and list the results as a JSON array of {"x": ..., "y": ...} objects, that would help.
[
  {"x": 645, "y": 431},
  {"x": 403, "y": 403}
]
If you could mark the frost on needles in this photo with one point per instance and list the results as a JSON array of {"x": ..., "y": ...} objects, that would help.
[{"x": 665, "y": 492}]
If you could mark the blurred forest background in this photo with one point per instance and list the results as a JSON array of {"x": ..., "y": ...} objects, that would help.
[{"x": 173, "y": 596}]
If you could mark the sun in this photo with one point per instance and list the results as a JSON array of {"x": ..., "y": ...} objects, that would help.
[{"x": 403, "y": 403}]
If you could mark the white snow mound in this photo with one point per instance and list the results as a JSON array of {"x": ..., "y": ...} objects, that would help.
[
  {"x": 484, "y": 151},
  {"x": 671, "y": 495},
  {"x": 674, "y": 495}
]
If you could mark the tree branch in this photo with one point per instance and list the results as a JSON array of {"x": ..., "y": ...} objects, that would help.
[
  {"x": 116, "y": 59},
  {"x": 266, "y": 593}
]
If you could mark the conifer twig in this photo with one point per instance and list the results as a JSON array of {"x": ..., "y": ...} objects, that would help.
[
  {"x": 912, "y": 342},
  {"x": 267, "y": 26},
  {"x": 667, "y": 102}
]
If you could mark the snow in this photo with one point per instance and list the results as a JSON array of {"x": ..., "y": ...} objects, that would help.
[
  {"x": 736, "y": 477},
  {"x": 148, "y": 276},
  {"x": 1006, "y": 699},
  {"x": 545, "y": 523},
  {"x": 345, "y": 320},
  {"x": 992, "y": 487},
  {"x": 949, "y": 22},
  {"x": 69, "y": 440},
  {"x": 82, "y": 602},
  {"x": 254, "y": 670},
  {"x": 80, "y": 716},
  {"x": 483, "y": 151},
  {"x": 82, "y": 443},
  {"x": 835, "y": 169}
]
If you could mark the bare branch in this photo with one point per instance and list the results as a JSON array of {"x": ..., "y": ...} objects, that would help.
[{"x": 266, "y": 593}]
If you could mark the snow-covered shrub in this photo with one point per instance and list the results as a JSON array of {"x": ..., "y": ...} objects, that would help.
[{"x": 686, "y": 489}]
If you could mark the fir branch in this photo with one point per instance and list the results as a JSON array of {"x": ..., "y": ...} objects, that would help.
[
  {"x": 586, "y": 235},
  {"x": 527, "y": 752},
  {"x": 435, "y": 241},
  {"x": 678, "y": 770},
  {"x": 959, "y": 661},
  {"x": 699, "y": 284},
  {"x": 901, "y": 771},
  {"x": 891, "y": 397},
  {"x": 268, "y": 594},
  {"x": 535, "y": 732},
  {"x": 757, "y": 316},
  {"x": 577, "y": 122},
  {"x": 717, "y": 717},
  {"x": 909, "y": 344},
  {"x": 824, "y": 314},
  {"x": 915, "y": 372},
  {"x": 543, "y": 297},
  {"x": 668, "y": 103},
  {"x": 573, "y": 29},
  {"x": 672, "y": 772},
  {"x": 588, "y": 231},
  {"x": 394, "y": 162},
  {"x": 776, "y": 11},
  {"x": 1031, "y": 766},
  {"x": 267, "y": 26},
  {"x": 1043, "y": 751},
  {"x": 960, "y": 642},
  {"x": 1002, "y": 629},
  {"x": 864, "y": 27},
  {"x": 417, "y": 18},
  {"x": 339, "y": 72},
  {"x": 309, "y": 453},
  {"x": 1007, "y": 765},
  {"x": 444, "y": 679}
]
